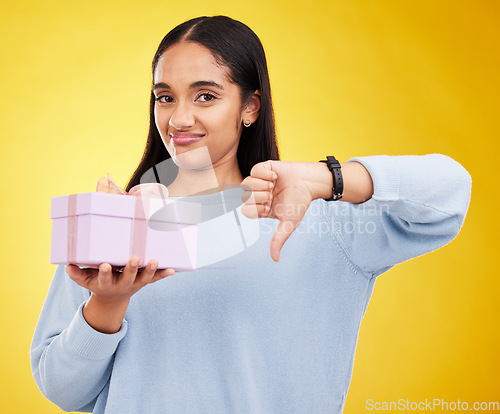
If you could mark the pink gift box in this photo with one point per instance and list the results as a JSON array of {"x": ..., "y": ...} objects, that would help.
[{"x": 93, "y": 228}]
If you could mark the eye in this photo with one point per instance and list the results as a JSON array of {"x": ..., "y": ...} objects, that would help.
[
  {"x": 206, "y": 97},
  {"x": 164, "y": 99}
]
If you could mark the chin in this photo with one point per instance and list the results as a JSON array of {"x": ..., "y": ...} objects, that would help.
[{"x": 191, "y": 158}]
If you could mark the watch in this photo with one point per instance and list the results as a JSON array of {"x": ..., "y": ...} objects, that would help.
[{"x": 338, "y": 182}]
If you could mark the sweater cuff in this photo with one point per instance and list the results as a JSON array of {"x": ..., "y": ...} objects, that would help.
[
  {"x": 89, "y": 343},
  {"x": 385, "y": 176}
]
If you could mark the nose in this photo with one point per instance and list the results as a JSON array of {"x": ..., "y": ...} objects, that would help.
[{"x": 182, "y": 117}]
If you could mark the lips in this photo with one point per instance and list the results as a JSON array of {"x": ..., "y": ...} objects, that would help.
[{"x": 185, "y": 138}]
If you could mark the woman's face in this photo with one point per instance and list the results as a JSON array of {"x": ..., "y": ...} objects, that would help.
[{"x": 197, "y": 106}]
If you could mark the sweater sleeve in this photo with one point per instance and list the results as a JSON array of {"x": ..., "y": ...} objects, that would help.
[
  {"x": 418, "y": 205},
  {"x": 71, "y": 362}
]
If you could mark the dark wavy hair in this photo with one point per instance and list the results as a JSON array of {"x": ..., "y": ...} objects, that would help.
[{"x": 235, "y": 46}]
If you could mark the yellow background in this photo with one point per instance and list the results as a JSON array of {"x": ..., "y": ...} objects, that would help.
[{"x": 349, "y": 78}]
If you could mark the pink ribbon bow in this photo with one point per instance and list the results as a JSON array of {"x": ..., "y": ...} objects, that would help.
[{"x": 107, "y": 185}]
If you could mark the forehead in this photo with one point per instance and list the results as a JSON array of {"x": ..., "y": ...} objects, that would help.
[{"x": 188, "y": 62}]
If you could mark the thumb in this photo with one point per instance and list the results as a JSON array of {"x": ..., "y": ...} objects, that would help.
[
  {"x": 281, "y": 235},
  {"x": 75, "y": 273}
]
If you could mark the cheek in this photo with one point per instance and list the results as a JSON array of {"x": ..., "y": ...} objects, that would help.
[
  {"x": 226, "y": 123},
  {"x": 161, "y": 120}
]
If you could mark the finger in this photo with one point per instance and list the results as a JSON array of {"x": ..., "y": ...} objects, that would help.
[
  {"x": 129, "y": 274},
  {"x": 255, "y": 210},
  {"x": 76, "y": 274},
  {"x": 105, "y": 277},
  {"x": 146, "y": 275},
  {"x": 263, "y": 170},
  {"x": 256, "y": 184},
  {"x": 162, "y": 274},
  {"x": 259, "y": 197},
  {"x": 281, "y": 235}
]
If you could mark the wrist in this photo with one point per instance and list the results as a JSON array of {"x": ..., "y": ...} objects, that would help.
[
  {"x": 105, "y": 314},
  {"x": 321, "y": 181},
  {"x": 357, "y": 188},
  {"x": 358, "y": 184},
  {"x": 109, "y": 302}
]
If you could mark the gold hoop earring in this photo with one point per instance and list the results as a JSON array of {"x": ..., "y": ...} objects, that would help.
[{"x": 247, "y": 122}]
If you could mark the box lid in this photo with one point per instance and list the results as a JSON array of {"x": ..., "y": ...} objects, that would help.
[{"x": 117, "y": 205}]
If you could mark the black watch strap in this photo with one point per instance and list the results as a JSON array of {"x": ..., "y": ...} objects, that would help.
[{"x": 338, "y": 182}]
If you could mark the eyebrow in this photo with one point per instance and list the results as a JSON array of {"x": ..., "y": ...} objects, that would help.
[{"x": 192, "y": 86}]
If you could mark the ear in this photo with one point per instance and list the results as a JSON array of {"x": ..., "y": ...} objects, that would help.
[{"x": 252, "y": 110}]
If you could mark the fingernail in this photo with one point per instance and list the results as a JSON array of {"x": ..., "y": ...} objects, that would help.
[
  {"x": 153, "y": 266},
  {"x": 275, "y": 176},
  {"x": 271, "y": 184},
  {"x": 134, "y": 262}
]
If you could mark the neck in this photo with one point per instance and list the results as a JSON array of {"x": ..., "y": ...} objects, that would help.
[{"x": 190, "y": 182}]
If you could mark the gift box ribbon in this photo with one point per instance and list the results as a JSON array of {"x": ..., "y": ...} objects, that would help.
[
  {"x": 139, "y": 221},
  {"x": 107, "y": 185}
]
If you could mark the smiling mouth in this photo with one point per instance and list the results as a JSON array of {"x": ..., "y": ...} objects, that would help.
[{"x": 184, "y": 139}]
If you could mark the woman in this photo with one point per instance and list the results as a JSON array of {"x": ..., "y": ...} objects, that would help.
[{"x": 250, "y": 335}]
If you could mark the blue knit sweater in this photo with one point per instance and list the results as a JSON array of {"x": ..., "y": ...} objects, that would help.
[{"x": 246, "y": 334}]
